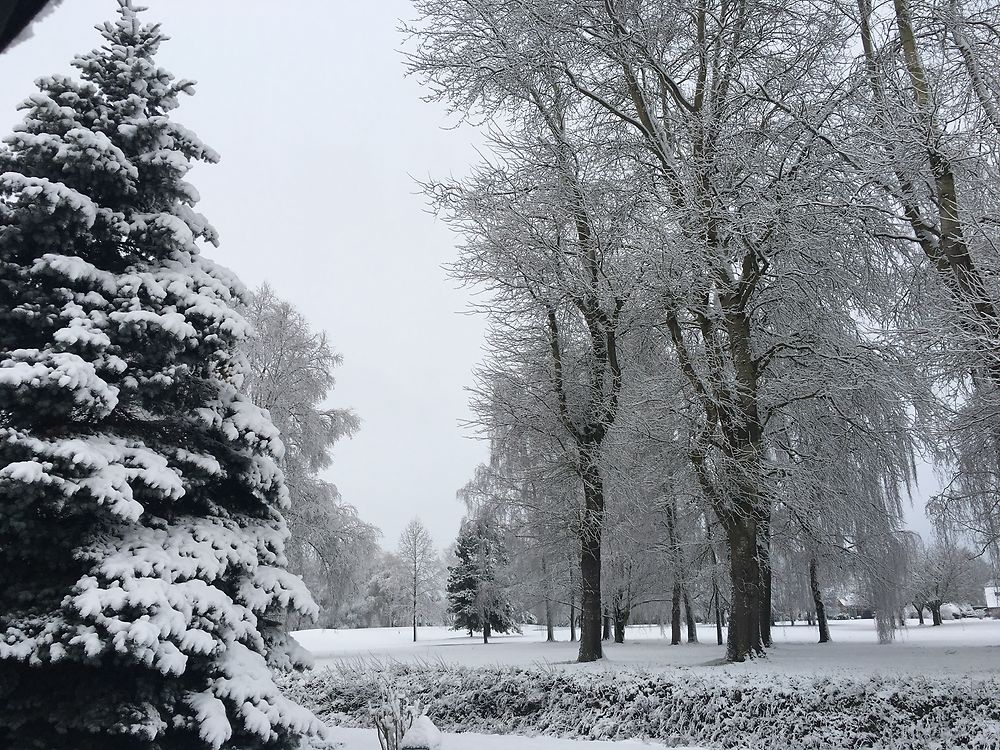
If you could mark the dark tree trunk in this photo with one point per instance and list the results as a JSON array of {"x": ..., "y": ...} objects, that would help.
[
  {"x": 572, "y": 606},
  {"x": 414, "y": 599},
  {"x": 590, "y": 556},
  {"x": 744, "y": 617},
  {"x": 550, "y": 634},
  {"x": 606, "y": 626},
  {"x": 486, "y": 630},
  {"x": 590, "y": 604},
  {"x": 716, "y": 597},
  {"x": 692, "y": 626},
  {"x": 743, "y": 436},
  {"x": 920, "y": 612},
  {"x": 764, "y": 552},
  {"x": 414, "y": 618},
  {"x": 824, "y": 626},
  {"x": 809, "y": 618},
  {"x": 606, "y": 381},
  {"x": 935, "y": 614},
  {"x": 718, "y": 617},
  {"x": 740, "y": 434},
  {"x": 675, "y": 613},
  {"x": 621, "y": 620}
]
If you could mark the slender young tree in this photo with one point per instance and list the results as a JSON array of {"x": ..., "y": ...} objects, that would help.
[
  {"x": 817, "y": 595},
  {"x": 421, "y": 567},
  {"x": 142, "y": 568}
]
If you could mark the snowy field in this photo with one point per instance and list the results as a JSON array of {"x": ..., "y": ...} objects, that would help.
[{"x": 959, "y": 647}]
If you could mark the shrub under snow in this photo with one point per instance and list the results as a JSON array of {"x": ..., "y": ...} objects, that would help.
[{"x": 676, "y": 708}]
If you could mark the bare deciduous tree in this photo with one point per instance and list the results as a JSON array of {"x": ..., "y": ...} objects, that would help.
[{"x": 422, "y": 569}]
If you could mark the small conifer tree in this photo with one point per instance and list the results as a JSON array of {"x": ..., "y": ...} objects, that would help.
[
  {"x": 478, "y": 596},
  {"x": 142, "y": 580},
  {"x": 462, "y": 584}
]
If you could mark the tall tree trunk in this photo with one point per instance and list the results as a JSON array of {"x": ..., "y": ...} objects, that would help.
[
  {"x": 716, "y": 594},
  {"x": 824, "y": 626},
  {"x": 590, "y": 556},
  {"x": 550, "y": 633},
  {"x": 744, "y": 627},
  {"x": 486, "y": 631},
  {"x": 742, "y": 434},
  {"x": 606, "y": 626},
  {"x": 414, "y": 603},
  {"x": 744, "y": 437},
  {"x": 920, "y": 612},
  {"x": 572, "y": 616},
  {"x": 676, "y": 560},
  {"x": 606, "y": 381},
  {"x": 935, "y": 614},
  {"x": 621, "y": 620},
  {"x": 718, "y": 614},
  {"x": 675, "y": 612},
  {"x": 692, "y": 626},
  {"x": 764, "y": 552}
]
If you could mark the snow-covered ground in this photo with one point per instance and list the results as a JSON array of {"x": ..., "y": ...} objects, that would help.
[
  {"x": 959, "y": 647},
  {"x": 365, "y": 739}
]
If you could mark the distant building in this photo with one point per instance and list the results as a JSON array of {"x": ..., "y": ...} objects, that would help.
[
  {"x": 853, "y": 606},
  {"x": 992, "y": 594}
]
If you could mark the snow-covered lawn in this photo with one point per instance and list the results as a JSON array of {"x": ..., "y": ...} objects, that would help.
[
  {"x": 365, "y": 739},
  {"x": 959, "y": 647},
  {"x": 865, "y": 679}
]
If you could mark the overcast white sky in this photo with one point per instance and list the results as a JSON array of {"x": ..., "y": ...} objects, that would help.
[{"x": 319, "y": 135}]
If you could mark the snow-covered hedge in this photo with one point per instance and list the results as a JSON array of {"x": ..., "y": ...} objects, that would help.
[{"x": 681, "y": 707}]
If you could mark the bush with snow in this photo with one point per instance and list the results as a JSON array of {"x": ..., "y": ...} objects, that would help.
[
  {"x": 682, "y": 707},
  {"x": 142, "y": 569},
  {"x": 393, "y": 718},
  {"x": 422, "y": 735}
]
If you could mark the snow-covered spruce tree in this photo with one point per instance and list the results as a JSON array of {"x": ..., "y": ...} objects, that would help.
[
  {"x": 142, "y": 580},
  {"x": 477, "y": 596},
  {"x": 463, "y": 583}
]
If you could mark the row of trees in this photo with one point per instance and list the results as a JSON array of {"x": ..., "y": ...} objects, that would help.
[
  {"x": 739, "y": 265},
  {"x": 357, "y": 584}
]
